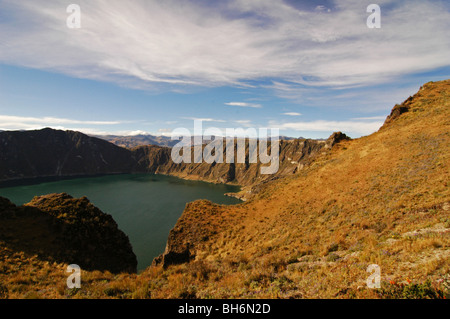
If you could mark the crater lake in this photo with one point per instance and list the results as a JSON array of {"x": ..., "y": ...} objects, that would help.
[{"x": 145, "y": 206}]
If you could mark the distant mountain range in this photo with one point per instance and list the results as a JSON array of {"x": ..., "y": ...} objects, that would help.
[
  {"x": 138, "y": 140},
  {"x": 147, "y": 139}
]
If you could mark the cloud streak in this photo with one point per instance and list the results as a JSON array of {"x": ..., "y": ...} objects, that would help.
[
  {"x": 14, "y": 123},
  {"x": 349, "y": 127},
  {"x": 292, "y": 114},
  {"x": 8, "y": 122},
  {"x": 244, "y": 104},
  {"x": 177, "y": 44},
  {"x": 203, "y": 119}
]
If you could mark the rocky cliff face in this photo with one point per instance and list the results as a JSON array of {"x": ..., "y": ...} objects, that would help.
[
  {"x": 55, "y": 153},
  {"x": 60, "y": 228},
  {"x": 51, "y": 152},
  {"x": 294, "y": 155},
  {"x": 200, "y": 223}
]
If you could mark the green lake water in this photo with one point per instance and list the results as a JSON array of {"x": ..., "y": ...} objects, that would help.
[{"x": 145, "y": 206}]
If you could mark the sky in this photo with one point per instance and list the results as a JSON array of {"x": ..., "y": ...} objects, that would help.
[{"x": 308, "y": 68}]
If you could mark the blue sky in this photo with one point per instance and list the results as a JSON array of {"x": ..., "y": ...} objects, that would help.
[{"x": 308, "y": 68}]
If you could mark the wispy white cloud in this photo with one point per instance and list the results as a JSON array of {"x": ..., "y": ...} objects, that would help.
[
  {"x": 369, "y": 118},
  {"x": 357, "y": 128},
  {"x": 322, "y": 8},
  {"x": 203, "y": 119},
  {"x": 244, "y": 123},
  {"x": 244, "y": 104},
  {"x": 292, "y": 114},
  {"x": 366, "y": 100},
  {"x": 97, "y": 132},
  {"x": 135, "y": 132},
  {"x": 8, "y": 122},
  {"x": 165, "y": 132},
  {"x": 15, "y": 123},
  {"x": 144, "y": 44}
]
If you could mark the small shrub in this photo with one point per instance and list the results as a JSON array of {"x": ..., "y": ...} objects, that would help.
[
  {"x": 447, "y": 224},
  {"x": 188, "y": 292},
  {"x": 379, "y": 227},
  {"x": 143, "y": 292},
  {"x": 412, "y": 291},
  {"x": 332, "y": 257},
  {"x": 32, "y": 295},
  {"x": 200, "y": 270},
  {"x": 3, "y": 292},
  {"x": 72, "y": 292},
  {"x": 332, "y": 248},
  {"x": 112, "y": 291},
  {"x": 294, "y": 258}
]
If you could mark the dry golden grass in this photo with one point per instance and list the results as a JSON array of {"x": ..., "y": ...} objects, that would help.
[
  {"x": 381, "y": 199},
  {"x": 347, "y": 210}
]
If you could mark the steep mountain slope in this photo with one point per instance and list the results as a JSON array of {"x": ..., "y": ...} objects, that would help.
[
  {"x": 382, "y": 199},
  {"x": 51, "y": 152}
]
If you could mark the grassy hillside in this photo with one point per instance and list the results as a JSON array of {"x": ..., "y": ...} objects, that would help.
[{"x": 382, "y": 199}]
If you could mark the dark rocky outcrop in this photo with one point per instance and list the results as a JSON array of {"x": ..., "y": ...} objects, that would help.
[
  {"x": 60, "y": 228},
  {"x": 175, "y": 253},
  {"x": 201, "y": 220},
  {"x": 397, "y": 111},
  {"x": 415, "y": 103},
  {"x": 335, "y": 138},
  {"x": 405, "y": 107}
]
